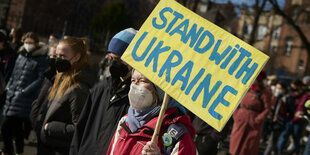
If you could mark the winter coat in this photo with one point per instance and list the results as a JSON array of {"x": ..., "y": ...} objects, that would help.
[
  {"x": 202, "y": 128},
  {"x": 299, "y": 105},
  {"x": 63, "y": 113},
  {"x": 126, "y": 143},
  {"x": 7, "y": 62},
  {"x": 39, "y": 106},
  {"x": 106, "y": 105},
  {"x": 25, "y": 82},
  {"x": 248, "y": 122}
]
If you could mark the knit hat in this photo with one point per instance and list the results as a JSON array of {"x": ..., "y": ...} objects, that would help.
[
  {"x": 121, "y": 40},
  {"x": 261, "y": 76},
  {"x": 306, "y": 80}
]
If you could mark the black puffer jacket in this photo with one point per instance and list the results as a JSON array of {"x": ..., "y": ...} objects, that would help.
[{"x": 25, "y": 82}]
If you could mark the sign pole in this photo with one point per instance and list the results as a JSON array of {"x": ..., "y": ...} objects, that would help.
[{"x": 160, "y": 118}]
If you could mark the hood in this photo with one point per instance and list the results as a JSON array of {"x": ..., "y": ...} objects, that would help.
[{"x": 87, "y": 77}]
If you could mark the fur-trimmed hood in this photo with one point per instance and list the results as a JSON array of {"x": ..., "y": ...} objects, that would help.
[{"x": 41, "y": 50}]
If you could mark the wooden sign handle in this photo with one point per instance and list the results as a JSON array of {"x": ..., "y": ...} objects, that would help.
[{"x": 160, "y": 118}]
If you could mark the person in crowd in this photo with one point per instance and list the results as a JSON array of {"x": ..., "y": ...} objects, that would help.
[
  {"x": 278, "y": 116},
  {"x": 267, "y": 128},
  {"x": 176, "y": 133},
  {"x": 39, "y": 106},
  {"x": 207, "y": 139},
  {"x": 249, "y": 118},
  {"x": 306, "y": 82},
  {"x": 7, "y": 58},
  {"x": 294, "y": 126},
  {"x": 16, "y": 38},
  {"x": 307, "y": 147},
  {"x": 107, "y": 103},
  {"x": 53, "y": 39},
  {"x": 67, "y": 95},
  {"x": 22, "y": 89},
  {"x": 7, "y": 62},
  {"x": 103, "y": 68}
]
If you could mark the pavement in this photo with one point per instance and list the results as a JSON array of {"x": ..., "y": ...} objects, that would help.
[{"x": 30, "y": 146}]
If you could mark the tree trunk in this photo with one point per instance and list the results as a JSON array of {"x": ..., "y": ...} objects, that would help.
[
  {"x": 259, "y": 10},
  {"x": 195, "y": 5},
  {"x": 297, "y": 29}
]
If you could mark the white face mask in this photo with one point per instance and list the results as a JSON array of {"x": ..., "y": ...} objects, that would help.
[
  {"x": 277, "y": 92},
  {"x": 29, "y": 47},
  {"x": 140, "y": 98}
]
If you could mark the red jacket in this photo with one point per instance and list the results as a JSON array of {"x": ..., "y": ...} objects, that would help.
[
  {"x": 300, "y": 106},
  {"x": 125, "y": 143},
  {"x": 248, "y": 123}
]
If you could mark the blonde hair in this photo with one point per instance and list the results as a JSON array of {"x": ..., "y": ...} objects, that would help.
[{"x": 65, "y": 80}]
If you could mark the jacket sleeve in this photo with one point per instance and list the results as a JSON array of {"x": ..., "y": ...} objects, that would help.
[
  {"x": 266, "y": 99},
  {"x": 35, "y": 85},
  {"x": 9, "y": 67},
  {"x": 80, "y": 126},
  {"x": 111, "y": 145},
  {"x": 185, "y": 146},
  {"x": 63, "y": 130}
]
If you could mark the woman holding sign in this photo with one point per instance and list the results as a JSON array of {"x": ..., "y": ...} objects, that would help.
[
  {"x": 249, "y": 118},
  {"x": 134, "y": 132}
]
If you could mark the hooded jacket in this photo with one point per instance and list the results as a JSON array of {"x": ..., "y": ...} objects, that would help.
[
  {"x": 105, "y": 106},
  {"x": 133, "y": 143},
  {"x": 25, "y": 82},
  {"x": 63, "y": 113}
]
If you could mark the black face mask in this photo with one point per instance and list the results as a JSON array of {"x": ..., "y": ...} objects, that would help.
[
  {"x": 51, "y": 62},
  {"x": 118, "y": 69},
  {"x": 51, "y": 71},
  {"x": 62, "y": 65}
]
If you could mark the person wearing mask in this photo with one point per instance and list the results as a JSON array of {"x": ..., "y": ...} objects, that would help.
[
  {"x": 134, "y": 131},
  {"x": 249, "y": 118},
  {"x": 278, "y": 116},
  {"x": 39, "y": 106},
  {"x": 67, "y": 95},
  {"x": 267, "y": 129},
  {"x": 22, "y": 89},
  {"x": 295, "y": 125},
  {"x": 7, "y": 62},
  {"x": 107, "y": 103}
]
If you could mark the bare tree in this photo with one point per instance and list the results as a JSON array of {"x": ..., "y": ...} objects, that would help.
[
  {"x": 296, "y": 27},
  {"x": 259, "y": 8}
]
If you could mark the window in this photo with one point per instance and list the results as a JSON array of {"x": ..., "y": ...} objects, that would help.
[
  {"x": 247, "y": 29},
  {"x": 276, "y": 33},
  {"x": 300, "y": 64},
  {"x": 288, "y": 46},
  {"x": 262, "y": 29},
  {"x": 273, "y": 49},
  {"x": 203, "y": 8},
  {"x": 295, "y": 13}
]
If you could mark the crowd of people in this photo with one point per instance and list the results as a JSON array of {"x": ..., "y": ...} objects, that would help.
[{"x": 52, "y": 89}]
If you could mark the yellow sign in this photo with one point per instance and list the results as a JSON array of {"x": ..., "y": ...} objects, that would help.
[{"x": 205, "y": 68}]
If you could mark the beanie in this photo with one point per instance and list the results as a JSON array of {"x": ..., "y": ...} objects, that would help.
[
  {"x": 121, "y": 40},
  {"x": 306, "y": 80}
]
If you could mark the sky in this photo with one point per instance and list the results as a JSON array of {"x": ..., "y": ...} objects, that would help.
[{"x": 249, "y": 3}]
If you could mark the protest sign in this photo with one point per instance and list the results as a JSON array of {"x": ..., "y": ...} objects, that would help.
[{"x": 205, "y": 68}]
